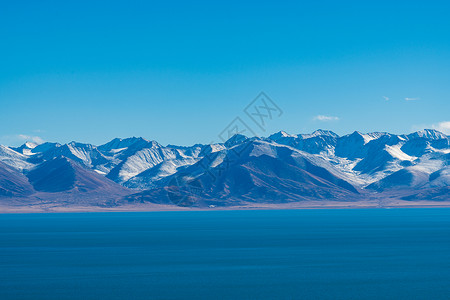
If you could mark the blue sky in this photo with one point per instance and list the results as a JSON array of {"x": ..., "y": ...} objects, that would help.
[{"x": 180, "y": 72}]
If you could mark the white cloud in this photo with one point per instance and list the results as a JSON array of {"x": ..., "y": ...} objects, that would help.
[
  {"x": 19, "y": 139},
  {"x": 323, "y": 118},
  {"x": 386, "y": 98},
  {"x": 443, "y": 127},
  {"x": 411, "y": 99},
  {"x": 29, "y": 138}
]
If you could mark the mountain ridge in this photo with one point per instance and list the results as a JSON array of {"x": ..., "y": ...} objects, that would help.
[{"x": 278, "y": 169}]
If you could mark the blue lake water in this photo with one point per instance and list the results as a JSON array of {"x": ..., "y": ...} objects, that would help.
[{"x": 297, "y": 254}]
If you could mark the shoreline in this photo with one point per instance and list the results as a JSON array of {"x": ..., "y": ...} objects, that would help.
[{"x": 167, "y": 208}]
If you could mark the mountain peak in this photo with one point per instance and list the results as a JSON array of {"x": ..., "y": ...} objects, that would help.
[
  {"x": 366, "y": 137},
  {"x": 235, "y": 139},
  {"x": 355, "y": 135},
  {"x": 26, "y": 148},
  {"x": 119, "y": 143},
  {"x": 319, "y": 132},
  {"x": 30, "y": 145},
  {"x": 44, "y": 147},
  {"x": 281, "y": 134},
  {"x": 428, "y": 134},
  {"x": 80, "y": 145}
]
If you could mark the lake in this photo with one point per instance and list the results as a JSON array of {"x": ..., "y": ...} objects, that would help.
[{"x": 265, "y": 254}]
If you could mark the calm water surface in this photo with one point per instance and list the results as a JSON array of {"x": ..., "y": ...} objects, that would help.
[{"x": 297, "y": 254}]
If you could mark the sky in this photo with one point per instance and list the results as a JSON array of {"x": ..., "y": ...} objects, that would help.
[{"x": 180, "y": 72}]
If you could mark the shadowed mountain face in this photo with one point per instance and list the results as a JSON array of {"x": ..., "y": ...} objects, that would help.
[
  {"x": 62, "y": 174},
  {"x": 13, "y": 183},
  {"x": 59, "y": 182},
  {"x": 260, "y": 166},
  {"x": 282, "y": 168},
  {"x": 53, "y": 176},
  {"x": 405, "y": 178}
]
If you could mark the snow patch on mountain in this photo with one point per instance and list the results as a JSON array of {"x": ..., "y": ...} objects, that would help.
[
  {"x": 14, "y": 159},
  {"x": 396, "y": 152}
]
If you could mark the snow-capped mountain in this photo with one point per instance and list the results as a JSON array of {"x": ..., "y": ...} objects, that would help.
[
  {"x": 254, "y": 170},
  {"x": 281, "y": 168}
]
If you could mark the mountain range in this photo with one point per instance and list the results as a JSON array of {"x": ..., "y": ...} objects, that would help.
[{"x": 283, "y": 170}]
